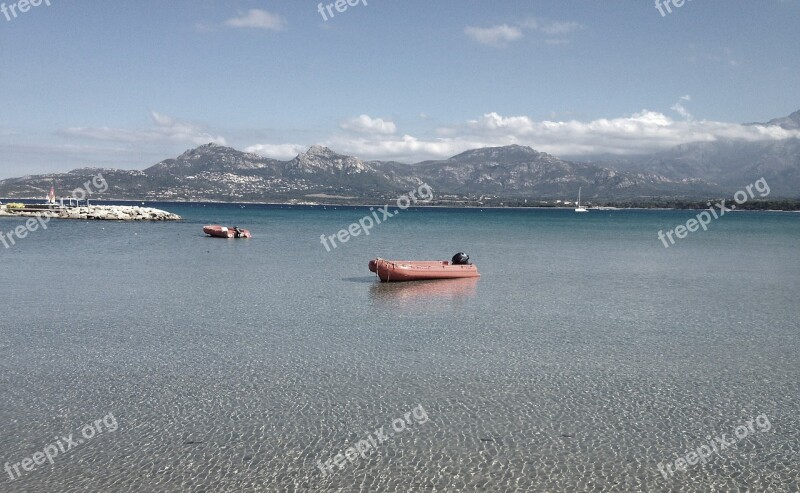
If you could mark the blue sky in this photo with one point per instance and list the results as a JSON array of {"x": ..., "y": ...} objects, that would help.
[{"x": 127, "y": 84}]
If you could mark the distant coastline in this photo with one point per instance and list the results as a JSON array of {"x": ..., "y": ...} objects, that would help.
[
  {"x": 778, "y": 205},
  {"x": 506, "y": 176}
]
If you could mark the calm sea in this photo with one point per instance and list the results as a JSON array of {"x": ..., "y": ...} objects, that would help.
[{"x": 588, "y": 357}]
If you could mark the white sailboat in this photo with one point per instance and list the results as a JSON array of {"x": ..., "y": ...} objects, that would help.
[{"x": 578, "y": 207}]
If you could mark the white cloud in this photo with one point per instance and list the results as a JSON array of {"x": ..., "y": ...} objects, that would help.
[
  {"x": 559, "y": 28},
  {"x": 258, "y": 19},
  {"x": 680, "y": 109},
  {"x": 277, "y": 151},
  {"x": 165, "y": 129},
  {"x": 202, "y": 27},
  {"x": 367, "y": 125},
  {"x": 501, "y": 35},
  {"x": 642, "y": 132},
  {"x": 493, "y": 121},
  {"x": 402, "y": 148},
  {"x": 497, "y": 36}
]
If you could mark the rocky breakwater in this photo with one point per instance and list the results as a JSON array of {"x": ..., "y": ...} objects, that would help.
[{"x": 98, "y": 213}]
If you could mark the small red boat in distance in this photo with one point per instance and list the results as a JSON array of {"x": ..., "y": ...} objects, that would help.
[
  {"x": 420, "y": 270},
  {"x": 218, "y": 231}
]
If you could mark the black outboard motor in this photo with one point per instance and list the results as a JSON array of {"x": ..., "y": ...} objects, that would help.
[{"x": 460, "y": 258}]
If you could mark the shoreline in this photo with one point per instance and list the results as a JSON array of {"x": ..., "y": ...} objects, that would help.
[{"x": 793, "y": 205}]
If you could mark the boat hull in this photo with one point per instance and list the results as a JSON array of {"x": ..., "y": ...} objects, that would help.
[
  {"x": 225, "y": 232},
  {"x": 420, "y": 270}
]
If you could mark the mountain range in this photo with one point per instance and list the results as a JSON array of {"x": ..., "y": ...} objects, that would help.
[{"x": 218, "y": 173}]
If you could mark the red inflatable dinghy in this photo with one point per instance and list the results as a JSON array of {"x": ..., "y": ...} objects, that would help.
[
  {"x": 226, "y": 232},
  {"x": 419, "y": 270}
]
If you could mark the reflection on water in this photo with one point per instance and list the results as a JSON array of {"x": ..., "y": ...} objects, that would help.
[{"x": 446, "y": 289}]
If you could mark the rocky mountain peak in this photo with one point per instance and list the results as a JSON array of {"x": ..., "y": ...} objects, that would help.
[
  {"x": 318, "y": 150},
  {"x": 210, "y": 157},
  {"x": 320, "y": 158},
  {"x": 791, "y": 122},
  {"x": 509, "y": 153},
  {"x": 208, "y": 149}
]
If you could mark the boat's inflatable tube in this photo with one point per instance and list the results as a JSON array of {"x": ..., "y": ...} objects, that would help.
[{"x": 418, "y": 270}]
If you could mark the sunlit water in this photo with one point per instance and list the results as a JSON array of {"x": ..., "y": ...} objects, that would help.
[{"x": 586, "y": 354}]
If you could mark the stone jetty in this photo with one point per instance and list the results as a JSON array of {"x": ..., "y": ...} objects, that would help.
[{"x": 95, "y": 212}]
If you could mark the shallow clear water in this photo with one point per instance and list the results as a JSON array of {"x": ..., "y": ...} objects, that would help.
[{"x": 586, "y": 354}]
